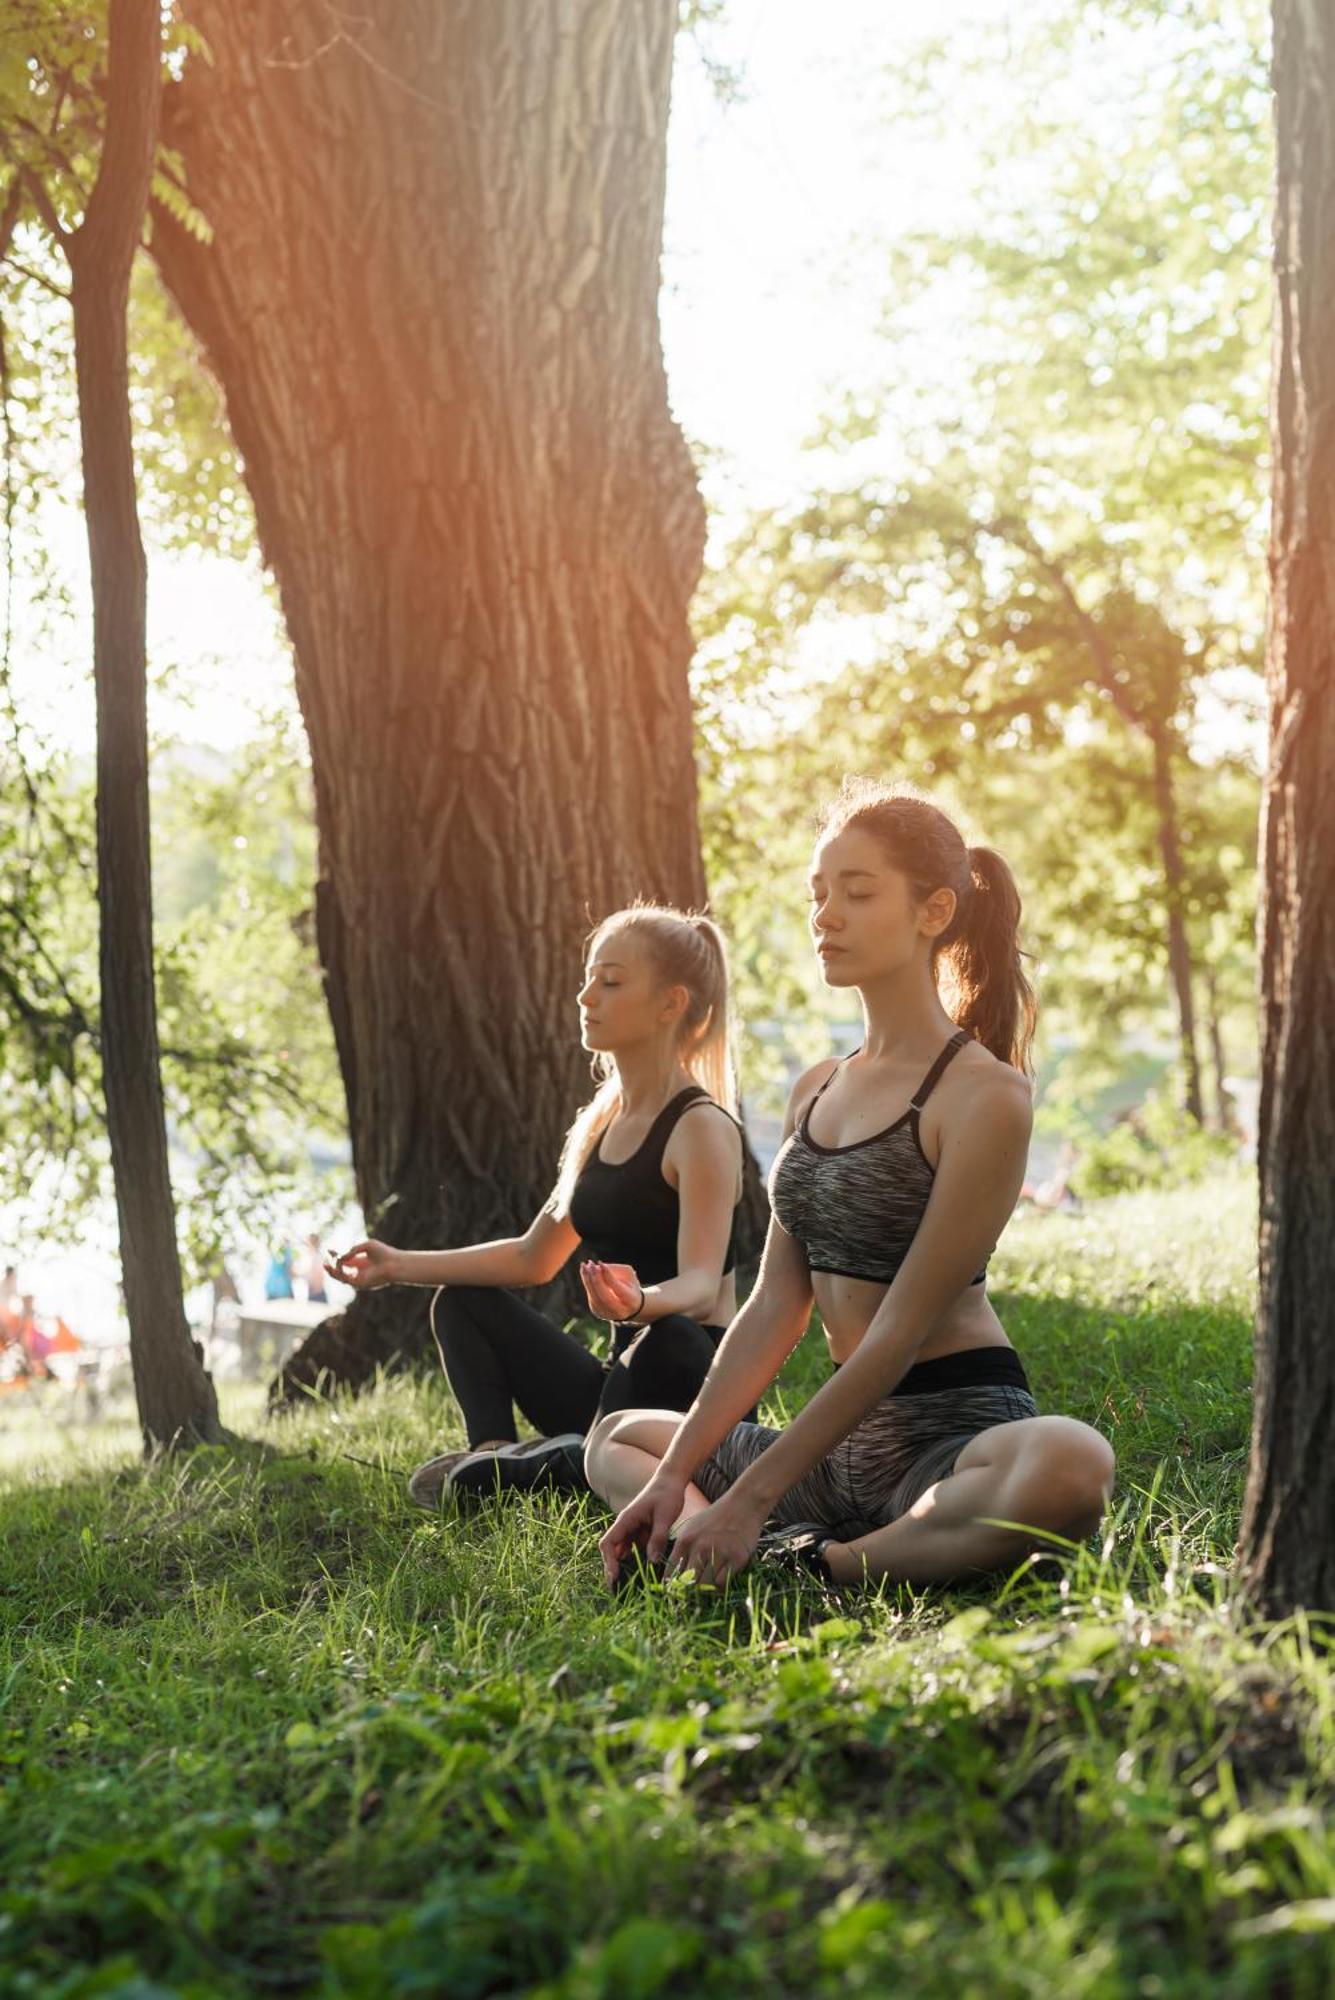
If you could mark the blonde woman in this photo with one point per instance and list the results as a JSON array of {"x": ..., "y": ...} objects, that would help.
[
  {"x": 924, "y": 1456},
  {"x": 648, "y": 1185}
]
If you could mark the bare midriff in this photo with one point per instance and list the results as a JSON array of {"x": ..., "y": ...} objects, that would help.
[{"x": 847, "y": 1307}]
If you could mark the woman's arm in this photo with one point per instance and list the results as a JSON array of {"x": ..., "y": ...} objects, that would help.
[
  {"x": 762, "y": 1335},
  {"x": 705, "y": 1153},
  {"x": 977, "y": 1184},
  {"x": 750, "y": 1354},
  {"x": 749, "y": 1357},
  {"x": 531, "y": 1259}
]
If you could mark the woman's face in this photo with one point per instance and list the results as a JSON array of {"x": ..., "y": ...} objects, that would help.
[
  {"x": 623, "y": 1002},
  {"x": 864, "y": 920}
]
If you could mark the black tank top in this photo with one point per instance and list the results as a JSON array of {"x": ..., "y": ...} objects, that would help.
[{"x": 626, "y": 1213}]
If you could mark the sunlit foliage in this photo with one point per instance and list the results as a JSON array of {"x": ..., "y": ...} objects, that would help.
[{"x": 1034, "y": 583}]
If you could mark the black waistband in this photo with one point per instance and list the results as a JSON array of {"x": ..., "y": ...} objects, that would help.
[{"x": 971, "y": 1368}]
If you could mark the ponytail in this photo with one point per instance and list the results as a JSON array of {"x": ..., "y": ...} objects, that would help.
[
  {"x": 710, "y": 1056},
  {"x": 985, "y": 965}
]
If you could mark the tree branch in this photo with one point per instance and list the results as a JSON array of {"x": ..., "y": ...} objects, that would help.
[
  {"x": 35, "y": 277},
  {"x": 1007, "y": 529},
  {"x": 9, "y": 215},
  {"x": 58, "y": 154},
  {"x": 42, "y": 202}
]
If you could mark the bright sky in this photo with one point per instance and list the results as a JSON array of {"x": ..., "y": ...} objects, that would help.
[
  {"x": 768, "y": 310},
  {"x": 770, "y": 292}
]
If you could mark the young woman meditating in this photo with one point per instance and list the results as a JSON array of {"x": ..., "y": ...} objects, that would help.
[
  {"x": 649, "y": 1182},
  {"x": 899, "y": 1170}
]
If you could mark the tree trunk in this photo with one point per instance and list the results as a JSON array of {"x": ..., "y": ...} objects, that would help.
[
  {"x": 175, "y": 1396},
  {"x": 1179, "y": 950},
  {"x": 1224, "y": 1108},
  {"x": 1287, "y": 1549},
  {"x": 430, "y": 296}
]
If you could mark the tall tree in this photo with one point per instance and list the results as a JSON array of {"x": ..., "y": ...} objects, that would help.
[
  {"x": 175, "y": 1396},
  {"x": 430, "y": 295},
  {"x": 248, "y": 1064},
  {"x": 1287, "y": 1550},
  {"x": 1043, "y": 528}
]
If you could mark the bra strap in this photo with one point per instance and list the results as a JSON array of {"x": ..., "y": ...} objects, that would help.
[
  {"x": 816, "y": 1095},
  {"x": 933, "y": 1076}
]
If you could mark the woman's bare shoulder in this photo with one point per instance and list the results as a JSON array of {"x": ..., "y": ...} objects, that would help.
[{"x": 982, "y": 1085}]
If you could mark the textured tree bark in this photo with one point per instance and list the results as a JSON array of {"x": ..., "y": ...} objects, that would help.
[
  {"x": 1287, "y": 1548},
  {"x": 1179, "y": 949},
  {"x": 431, "y": 299},
  {"x": 175, "y": 1395}
]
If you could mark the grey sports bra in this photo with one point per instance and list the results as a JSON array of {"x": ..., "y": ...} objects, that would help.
[{"x": 855, "y": 1209}]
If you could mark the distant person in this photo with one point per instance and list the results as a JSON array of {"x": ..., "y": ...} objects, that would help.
[
  {"x": 900, "y": 1167},
  {"x": 648, "y": 1187},
  {"x": 278, "y": 1277},
  {"x": 1055, "y": 1191},
  {"x": 224, "y": 1287},
  {"x": 224, "y": 1293},
  {"x": 313, "y": 1269},
  {"x": 10, "y": 1301},
  {"x": 36, "y": 1344},
  {"x": 65, "y": 1340}
]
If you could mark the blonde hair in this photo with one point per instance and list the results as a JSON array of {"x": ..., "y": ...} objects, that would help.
[{"x": 685, "y": 948}]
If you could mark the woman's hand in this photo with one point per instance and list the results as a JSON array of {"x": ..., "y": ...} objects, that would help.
[
  {"x": 613, "y": 1290},
  {"x": 718, "y": 1541},
  {"x": 365, "y": 1267},
  {"x": 646, "y": 1523}
]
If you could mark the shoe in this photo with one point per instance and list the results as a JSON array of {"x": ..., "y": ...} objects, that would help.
[
  {"x": 538, "y": 1465},
  {"x": 795, "y": 1550},
  {"x": 428, "y": 1482},
  {"x": 535, "y": 1447}
]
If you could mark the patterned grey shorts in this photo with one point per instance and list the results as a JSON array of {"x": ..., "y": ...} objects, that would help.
[{"x": 883, "y": 1466}]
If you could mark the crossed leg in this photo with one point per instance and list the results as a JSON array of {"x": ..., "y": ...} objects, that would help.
[
  {"x": 1050, "y": 1475},
  {"x": 621, "y": 1455}
]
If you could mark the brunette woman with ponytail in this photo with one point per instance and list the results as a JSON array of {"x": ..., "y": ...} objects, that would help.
[
  {"x": 648, "y": 1185},
  {"x": 924, "y": 1456}
]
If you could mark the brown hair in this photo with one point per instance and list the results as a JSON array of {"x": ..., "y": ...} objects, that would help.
[
  {"x": 686, "y": 948},
  {"x": 984, "y": 988}
]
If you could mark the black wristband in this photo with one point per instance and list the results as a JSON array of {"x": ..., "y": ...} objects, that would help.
[{"x": 628, "y": 1317}]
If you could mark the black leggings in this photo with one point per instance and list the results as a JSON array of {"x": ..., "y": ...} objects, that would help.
[{"x": 497, "y": 1352}]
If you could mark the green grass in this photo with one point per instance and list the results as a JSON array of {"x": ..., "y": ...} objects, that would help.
[{"x": 265, "y": 1729}]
